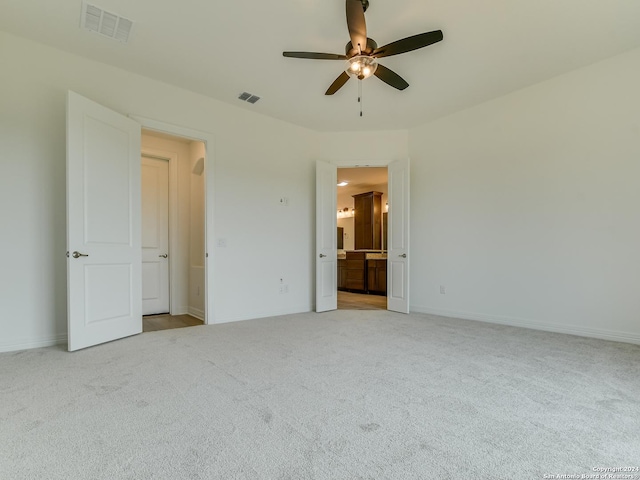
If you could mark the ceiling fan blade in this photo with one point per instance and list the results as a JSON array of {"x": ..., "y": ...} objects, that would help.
[
  {"x": 409, "y": 44},
  {"x": 338, "y": 83},
  {"x": 390, "y": 77},
  {"x": 314, "y": 56},
  {"x": 356, "y": 24}
]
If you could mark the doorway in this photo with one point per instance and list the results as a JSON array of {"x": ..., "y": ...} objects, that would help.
[
  {"x": 326, "y": 251},
  {"x": 173, "y": 228},
  {"x": 362, "y": 200},
  {"x": 104, "y": 245}
]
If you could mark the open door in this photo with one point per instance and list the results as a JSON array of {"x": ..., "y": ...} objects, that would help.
[
  {"x": 398, "y": 237},
  {"x": 326, "y": 239},
  {"x": 104, "y": 291}
]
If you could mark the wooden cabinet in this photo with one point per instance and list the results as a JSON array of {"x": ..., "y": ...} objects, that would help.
[
  {"x": 354, "y": 271},
  {"x": 342, "y": 274},
  {"x": 368, "y": 221},
  {"x": 357, "y": 274},
  {"x": 377, "y": 276}
]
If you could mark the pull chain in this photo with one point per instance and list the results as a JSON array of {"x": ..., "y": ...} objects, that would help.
[{"x": 360, "y": 95}]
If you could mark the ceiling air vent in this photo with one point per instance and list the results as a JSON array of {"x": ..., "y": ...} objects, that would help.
[
  {"x": 248, "y": 97},
  {"x": 97, "y": 20}
]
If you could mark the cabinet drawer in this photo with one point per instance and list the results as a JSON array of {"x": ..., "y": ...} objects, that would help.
[
  {"x": 355, "y": 279},
  {"x": 357, "y": 275},
  {"x": 355, "y": 264}
]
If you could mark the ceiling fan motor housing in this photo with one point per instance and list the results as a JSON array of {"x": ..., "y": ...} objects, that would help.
[{"x": 350, "y": 51}]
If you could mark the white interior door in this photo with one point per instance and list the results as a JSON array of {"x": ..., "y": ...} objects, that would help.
[
  {"x": 155, "y": 236},
  {"x": 326, "y": 237},
  {"x": 104, "y": 291},
  {"x": 398, "y": 237}
]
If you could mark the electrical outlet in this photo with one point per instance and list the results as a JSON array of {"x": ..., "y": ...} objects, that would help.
[
  {"x": 284, "y": 289},
  {"x": 284, "y": 201},
  {"x": 221, "y": 242},
  {"x": 443, "y": 290}
]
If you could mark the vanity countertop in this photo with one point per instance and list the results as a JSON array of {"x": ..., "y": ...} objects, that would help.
[{"x": 368, "y": 255}]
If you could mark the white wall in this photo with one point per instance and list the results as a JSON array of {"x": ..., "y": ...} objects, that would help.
[
  {"x": 350, "y": 149},
  {"x": 527, "y": 208},
  {"x": 257, "y": 160}
]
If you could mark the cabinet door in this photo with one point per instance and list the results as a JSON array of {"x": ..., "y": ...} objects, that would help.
[
  {"x": 372, "y": 276},
  {"x": 342, "y": 274},
  {"x": 358, "y": 224},
  {"x": 381, "y": 273}
]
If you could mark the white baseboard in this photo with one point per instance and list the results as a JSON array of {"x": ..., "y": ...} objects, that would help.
[
  {"x": 612, "y": 335},
  {"x": 263, "y": 314},
  {"x": 60, "y": 339},
  {"x": 196, "y": 312},
  {"x": 179, "y": 311}
]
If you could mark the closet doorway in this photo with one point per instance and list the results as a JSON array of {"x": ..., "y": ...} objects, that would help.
[{"x": 173, "y": 231}]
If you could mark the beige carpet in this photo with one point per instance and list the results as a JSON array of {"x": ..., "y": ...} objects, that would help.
[{"x": 342, "y": 395}]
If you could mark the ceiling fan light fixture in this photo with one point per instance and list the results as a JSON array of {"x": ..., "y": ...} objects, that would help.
[{"x": 361, "y": 66}]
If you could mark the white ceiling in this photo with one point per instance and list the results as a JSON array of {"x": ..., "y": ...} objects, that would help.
[{"x": 219, "y": 49}]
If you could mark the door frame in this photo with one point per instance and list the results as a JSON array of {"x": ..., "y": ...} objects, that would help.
[
  {"x": 380, "y": 163},
  {"x": 208, "y": 140},
  {"x": 172, "y": 158}
]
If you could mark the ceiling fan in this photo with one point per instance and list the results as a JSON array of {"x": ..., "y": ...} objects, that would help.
[{"x": 362, "y": 53}]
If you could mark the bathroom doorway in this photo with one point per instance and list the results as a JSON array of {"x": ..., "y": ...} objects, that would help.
[{"x": 362, "y": 200}]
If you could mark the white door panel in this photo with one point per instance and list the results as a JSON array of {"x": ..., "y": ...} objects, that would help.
[
  {"x": 115, "y": 279},
  {"x": 398, "y": 237},
  {"x": 103, "y": 218},
  {"x": 326, "y": 238},
  {"x": 155, "y": 236}
]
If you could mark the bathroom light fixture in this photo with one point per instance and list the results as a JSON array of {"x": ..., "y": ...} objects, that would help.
[{"x": 345, "y": 212}]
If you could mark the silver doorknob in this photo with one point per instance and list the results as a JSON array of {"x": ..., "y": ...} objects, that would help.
[
  {"x": 163, "y": 255},
  {"x": 77, "y": 254},
  {"x": 322, "y": 255},
  {"x": 404, "y": 255}
]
